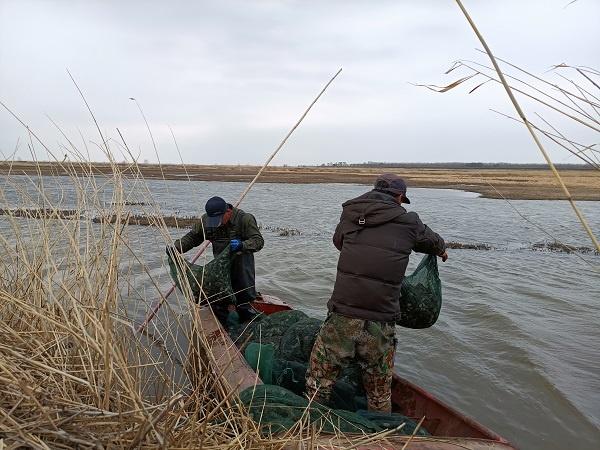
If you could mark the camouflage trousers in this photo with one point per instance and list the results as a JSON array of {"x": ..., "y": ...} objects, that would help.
[{"x": 342, "y": 340}]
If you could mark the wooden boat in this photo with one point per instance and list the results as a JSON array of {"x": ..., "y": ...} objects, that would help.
[{"x": 449, "y": 428}]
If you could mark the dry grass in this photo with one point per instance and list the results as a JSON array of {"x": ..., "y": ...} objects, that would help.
[
  {"x": 73, "y": 374},
  {"x": 577, "y": 103}
]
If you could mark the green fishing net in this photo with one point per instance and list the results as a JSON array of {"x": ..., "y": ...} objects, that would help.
[
  {"x": 279, "y": 348},
  {"x": 277, "y": 409},
  {"x": 347, "y": 392},
  {"x": 298, "y": 340},
  {"x": 421, "y": 300},
  {"x": 268, "y": 329},
  {"x": 260, "y": 358},
  {"x": 211, "y": 282}
]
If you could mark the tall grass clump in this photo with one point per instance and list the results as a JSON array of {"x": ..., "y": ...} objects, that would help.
[{"x": 73, "y": 373}]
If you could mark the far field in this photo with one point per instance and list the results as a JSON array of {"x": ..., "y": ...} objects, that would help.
[{"x": 511, "y": 183}]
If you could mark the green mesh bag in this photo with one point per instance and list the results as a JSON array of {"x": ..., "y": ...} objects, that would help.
[
  {"x": 211, "y": 282},
  {"x": 279, "y": 404},
  {"x": 421, "y": 296},
  {"x": 260, "y": 358},
  {"x": 292, "y": 375}
]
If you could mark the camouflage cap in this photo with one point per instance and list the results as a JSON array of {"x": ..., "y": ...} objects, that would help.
[{"x": 393, "y": 184}]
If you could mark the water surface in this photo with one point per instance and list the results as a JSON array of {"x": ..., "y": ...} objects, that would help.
[{"x": 517, "y": 345}]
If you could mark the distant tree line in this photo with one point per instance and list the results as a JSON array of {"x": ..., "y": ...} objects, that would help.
[{"x": 453, "y": 165}]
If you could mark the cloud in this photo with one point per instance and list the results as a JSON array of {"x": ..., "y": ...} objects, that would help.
[{"x": 231, "y": 78}]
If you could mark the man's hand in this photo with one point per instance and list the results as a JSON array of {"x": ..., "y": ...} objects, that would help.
[
  {"x": 235, "y": 245},
  {"x": 444, "y": 256}
]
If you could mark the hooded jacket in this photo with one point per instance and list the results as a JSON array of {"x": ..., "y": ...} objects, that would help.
[
  {"x": 375, "y": 237},
  {"x": 242, "y": 226}
]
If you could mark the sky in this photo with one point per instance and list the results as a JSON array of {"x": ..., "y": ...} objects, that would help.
[{"x": 228, "y": 79}]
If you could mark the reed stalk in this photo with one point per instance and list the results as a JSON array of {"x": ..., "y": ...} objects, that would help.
[
  {"x": 202, "y": 248},
  {"x": 73, "y": 371},
  {"x": 521, "y": 114}
]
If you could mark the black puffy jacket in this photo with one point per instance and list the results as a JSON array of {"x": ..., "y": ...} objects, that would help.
[{"x": 376, "y": 236}]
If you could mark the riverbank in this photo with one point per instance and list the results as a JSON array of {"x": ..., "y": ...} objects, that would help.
[{"x": 514, "y": 184}]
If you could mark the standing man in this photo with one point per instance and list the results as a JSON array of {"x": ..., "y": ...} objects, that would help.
[
  {"x": 226, "y": 226},
  {"x": 375, "y": 237}
]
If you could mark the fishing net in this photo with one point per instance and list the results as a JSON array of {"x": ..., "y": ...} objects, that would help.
[
  {"x": 260, "y": 358},
  {"x": 347, "y": 392},
  {"x": 298, "y": 340},
  {"x": 211, "y": 282},
  {"x": 268, "y": 329},
  {"x": 277, "y": 409},
  {"x": 421, "y": 295},
  {"x": 279, "y": 349}
]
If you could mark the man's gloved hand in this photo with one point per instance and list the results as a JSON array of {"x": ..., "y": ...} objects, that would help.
[
  {"x": 236, "y": 245},
  {"x": 444, "y": 256}
]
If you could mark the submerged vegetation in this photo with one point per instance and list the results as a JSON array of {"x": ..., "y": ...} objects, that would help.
[
  {"x": 40, "y": 213},
  {"x": 187, "y": 221},
  {"x": 461, "y": 246},
  {"x": 281, "y": 231},
  {"x": 559, "y": 247}
]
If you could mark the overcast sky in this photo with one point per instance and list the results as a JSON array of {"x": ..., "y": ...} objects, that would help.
[{"x": 231, "y": 77}]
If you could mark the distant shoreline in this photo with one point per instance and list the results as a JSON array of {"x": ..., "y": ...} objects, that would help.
[{"x": 514, "y": 183}]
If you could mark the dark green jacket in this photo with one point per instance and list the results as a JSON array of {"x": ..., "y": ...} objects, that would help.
[{"x": 241, "y": 226}]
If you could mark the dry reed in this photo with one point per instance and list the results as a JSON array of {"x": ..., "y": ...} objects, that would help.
[
  {"x": 72, "y": 371},
  {"x": 576, "y": 103}
]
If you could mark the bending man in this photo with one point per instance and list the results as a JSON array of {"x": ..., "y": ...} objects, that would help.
[{"x": 226, "y": 226}]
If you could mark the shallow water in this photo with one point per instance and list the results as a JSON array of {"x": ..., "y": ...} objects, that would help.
[{"x": 517, "y": 345}]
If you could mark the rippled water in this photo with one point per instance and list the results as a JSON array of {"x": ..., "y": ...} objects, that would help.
[{"x": 517, "y": 345}]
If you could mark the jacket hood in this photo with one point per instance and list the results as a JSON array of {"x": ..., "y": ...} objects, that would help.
[{"x": 372, "y": 209}]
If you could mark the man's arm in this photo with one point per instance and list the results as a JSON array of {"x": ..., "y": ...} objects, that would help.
[
  {"x": 338, "y": 237},
  {"x": 192, "y": 239},
  {"x": 428, "y": 241},
  {"x": 252, "y": 240}
]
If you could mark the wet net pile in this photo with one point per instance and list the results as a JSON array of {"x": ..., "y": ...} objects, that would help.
[{"x": 278, "y": 347}]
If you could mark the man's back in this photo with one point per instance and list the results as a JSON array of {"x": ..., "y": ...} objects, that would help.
[{"x": 376, "y": 236}]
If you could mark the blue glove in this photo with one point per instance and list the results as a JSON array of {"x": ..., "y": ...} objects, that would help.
[{"x": 235, "y": 245}]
